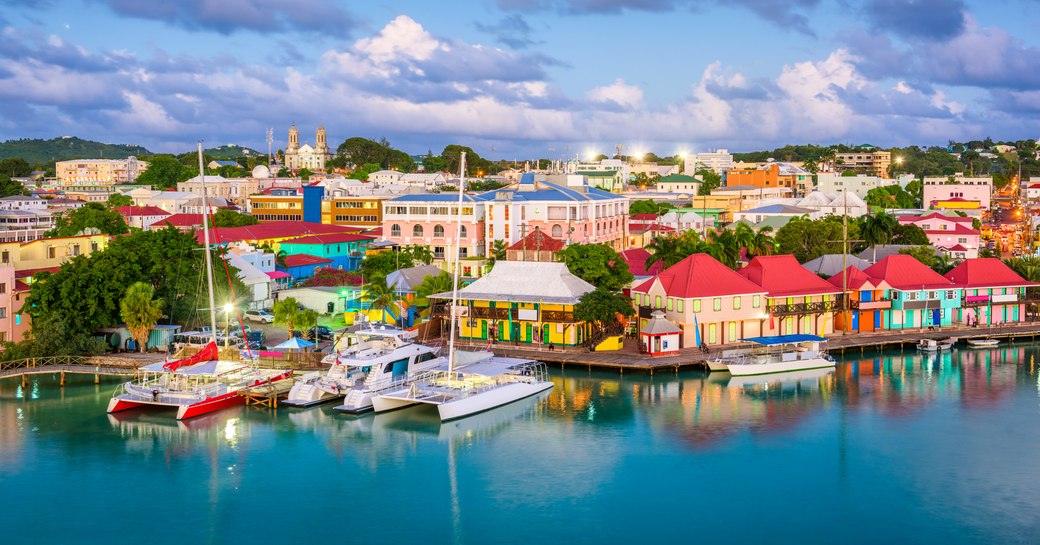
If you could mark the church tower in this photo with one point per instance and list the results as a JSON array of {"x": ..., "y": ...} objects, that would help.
[
  {"x": 292, "y": 159},
  {"x": 319, "y": 139}
]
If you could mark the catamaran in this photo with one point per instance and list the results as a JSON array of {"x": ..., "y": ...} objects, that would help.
[
  {"x": 382, "y": 358},
  {"x": 771, "y": 356},
  {"x": 198, "y": 384},
  {"x": 483, "y": 383}
]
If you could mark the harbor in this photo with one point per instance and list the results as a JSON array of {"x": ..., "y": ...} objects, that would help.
[{"x": 561, "y": 463}]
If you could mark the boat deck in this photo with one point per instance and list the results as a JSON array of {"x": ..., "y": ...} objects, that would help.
[{"x": 267, "y": 395}]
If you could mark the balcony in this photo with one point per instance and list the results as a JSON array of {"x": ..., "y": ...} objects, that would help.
[
  {"x": 816, "y": 307},
  {"x": 875, "y": 305},
  {"x": 503, "y": 314}
]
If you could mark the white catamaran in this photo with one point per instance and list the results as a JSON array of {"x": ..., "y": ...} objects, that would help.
[
  {"x": 772, "y": 357},
  {"x": 198, "y": 384},
  {"x": 483, "y": 383}
]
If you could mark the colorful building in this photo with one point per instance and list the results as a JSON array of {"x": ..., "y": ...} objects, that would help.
[
  {"x": 273, "y": 233},
  {"x": 429, "y": 220},
  {"x": 951, "y": 234},
  {"x": 798, "y": 300},
  {"x": 302, "y": 266},
  {"x": 536, "y": 246},
  {"x": 920, "y": 296},
  {"x": 345, "y": 250},
  {"x": 709, "y": 301},
  {"x": 521, "y": 302},
  {"x": 868, "y": 302},
  {"x": 771, "y": 175},
  {"x": 993, "y": 293}
]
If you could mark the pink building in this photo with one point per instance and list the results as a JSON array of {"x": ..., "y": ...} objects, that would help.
[
  {"x": 12, "y": 322},
  {"x": 429, "y": 220},
  {"x": 952, "y": 234},
  {"x": 969, "y": 190},
  {"x": 993, "y": 293}
]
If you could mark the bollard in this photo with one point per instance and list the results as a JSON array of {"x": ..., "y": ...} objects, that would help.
[{"x": 62, "y": 380}]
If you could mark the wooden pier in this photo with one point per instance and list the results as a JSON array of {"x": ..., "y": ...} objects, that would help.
[{"x": 267, "y": 395}]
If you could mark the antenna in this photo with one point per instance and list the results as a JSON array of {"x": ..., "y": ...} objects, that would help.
[{"x": 270, "y": 143}]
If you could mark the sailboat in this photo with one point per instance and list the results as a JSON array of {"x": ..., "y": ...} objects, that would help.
[
  {"x": 199, "y": 384},
  {"x": 482, "y": 382}
]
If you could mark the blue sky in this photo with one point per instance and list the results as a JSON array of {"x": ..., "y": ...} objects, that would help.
[{"x": 516, "y": 78}]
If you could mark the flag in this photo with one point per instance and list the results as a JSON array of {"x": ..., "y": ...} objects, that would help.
[
  {"x": 696, "y": 331},
  {"x": 771, "y": 325}
]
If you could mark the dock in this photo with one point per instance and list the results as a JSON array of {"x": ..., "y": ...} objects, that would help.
[{"x": 267, "y": 395}]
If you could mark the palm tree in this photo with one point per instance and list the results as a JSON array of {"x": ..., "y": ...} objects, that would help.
[
  {"x": 878, "y": 229},
  {"x": 140, "y": 311},
  {"x": 762, "y": 243},
  {"x": 434, "y": 283},
  {"x": 287, "y": 312},
  {"x": 498, "y": 252},
  {"x": 421, "y": 253},
  {"x": 379, "y": 295},
  {"x": 724, "y": 246}
]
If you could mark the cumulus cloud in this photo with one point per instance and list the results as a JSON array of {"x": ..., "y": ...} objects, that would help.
[
  {"x": 511, "y": 31},
  {"x": 922, "y": 19},
  {"x": 227, "y": 16},
  {"x": 617, "y": 95}
]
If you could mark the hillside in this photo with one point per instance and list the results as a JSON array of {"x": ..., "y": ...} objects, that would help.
[
  {"x": 230, "y": 151},
  {"x": 66, "y": 147}
]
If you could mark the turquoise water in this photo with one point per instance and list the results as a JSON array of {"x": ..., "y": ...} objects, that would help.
[{"x": 901, "y": 448}]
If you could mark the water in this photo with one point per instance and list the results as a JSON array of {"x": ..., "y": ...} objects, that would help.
[{"x": 900, "y": 448}]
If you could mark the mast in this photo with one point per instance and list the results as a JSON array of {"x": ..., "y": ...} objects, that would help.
[
  {"x": 844, "y": 258},
  {"x": 455, "y": 267},
  {"x": 205, "y": 239}
]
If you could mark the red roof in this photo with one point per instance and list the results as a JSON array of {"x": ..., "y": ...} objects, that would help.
[
  {"x": 132, "y": 211},
  {"x": 180, "y": 220},
  {"x": 300, "y": 260},
  {"x": 957, "y": 230},
  {"x": 986, "y": 272},
  {"x": 636, "y": 259},
  {"x": 854, "y": 279},
  {"x": 275, "y": 229},
  {"x": 332, "y": 238},
  {"x": 639, "y": 228},
  {"x": 934, "y": 215},
  {"x": 700, "y": 275},
  {"x": 538, "y": 240},
  {"x": 27, "y": 273},
  {"x": 1033, "y": 186},
  {"x": 903, "y": 272},
  {"x": 643, "y": 217},
  {"x": 783, "y": 276},
  {"x": 958, "y": 248},
  {"x": 21, "y": 286}
]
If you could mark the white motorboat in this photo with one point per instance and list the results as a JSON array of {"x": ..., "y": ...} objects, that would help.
[
  {"x": 383, "y": 358},
  {"x": 983, "y": 343},
  {"x": 934, "y": 345},
  {"x": 783, "y": 378},
  {"x": 771, "y": 356}
]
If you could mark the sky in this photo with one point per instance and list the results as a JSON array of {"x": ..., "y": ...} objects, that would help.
[{"x": 515, "y": 79}]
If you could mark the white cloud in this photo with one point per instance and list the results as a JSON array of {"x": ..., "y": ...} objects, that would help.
[{"x": 618, "y": 93}]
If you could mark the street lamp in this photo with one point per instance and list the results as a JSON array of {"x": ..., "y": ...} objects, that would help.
[{"x": 228, "y": 307}]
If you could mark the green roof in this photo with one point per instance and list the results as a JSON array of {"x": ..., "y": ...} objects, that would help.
[
  {"x": 776, "y": 222},
  {"x": 597, "y": 173},
  {"x": 677, "y": 179}
]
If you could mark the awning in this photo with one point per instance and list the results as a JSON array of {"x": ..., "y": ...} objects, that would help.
[
  {"x": 784, "y": 339},
  {"x": 275, "y": 275}
]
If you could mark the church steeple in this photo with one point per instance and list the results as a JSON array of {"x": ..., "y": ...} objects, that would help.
[
  {"x": 319, "y": 139},
  {"x": 294, "y": 138}
]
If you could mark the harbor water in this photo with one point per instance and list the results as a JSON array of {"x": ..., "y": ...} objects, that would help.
[{"x": 891, "y": 448}]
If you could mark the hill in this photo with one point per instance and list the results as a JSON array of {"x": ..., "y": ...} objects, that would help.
[
  {"x": 230, "y": 151},
  {"x": 35, "y": 150}
]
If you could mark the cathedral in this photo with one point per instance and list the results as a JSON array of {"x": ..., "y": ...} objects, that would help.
[{"x": 305, "y": 156}]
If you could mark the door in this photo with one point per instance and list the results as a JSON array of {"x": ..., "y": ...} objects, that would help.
[
  {"x": 527, "y": 333},
  {"x": 483, "y": 329},
  {"x": 936, "y": 317},
  {"x": 877, "y": 319},
  {"x": 855, "y": 321},
  {"x": 545, "y": 334}
]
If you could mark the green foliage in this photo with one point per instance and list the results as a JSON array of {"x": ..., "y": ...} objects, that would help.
[
  {"x": 362, "y": 172},
  {"x": 116, "y": 200},
  {"x": 14, "y": 167},
  {"x": 597, "y": 264},
  {"x": 284, "y": 173},
  {"x": 386, "y": 262},
  {"x": 939, "y": 263},
  {"x": 787, "y": 153},
  {"x": 164, "y": 171},
  {"x": 92, "y": 215},
  {"x": 54, "y": 335},
  {"x": 362, "y": 151},
  {"x": 710, "y": 180},
  {"x": 230, "y": 218},
  {"x": 498, "y": 251},
  {"x": 933, "y": 161},
  {"x": 475, "y": 164},
  {"x": 304, "y": 173},
  {"x": 1028, "y": 267},
  {"x": 140, "y": 311},
  {"x": 287, "y": 312},
  {"x": 889, "y": 196},
  {"x": 808, "y": 239},
  {"x": 484, "y": 185},
  {"x": 379, "y": 295},
  {"x": 434, "y": 283},
  {"x": 602, "y": 307},
  {"x": 36, "y": 150},
  {"x": 434, "y": 163},
  {"x": 9, "y": 187},
  {"x": 910, "y": 234},
  {"x": 648, "y": 206},
  {"x": 232, "y": 153}
]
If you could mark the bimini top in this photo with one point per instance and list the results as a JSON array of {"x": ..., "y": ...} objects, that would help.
[{"x": 785, "y": 339}]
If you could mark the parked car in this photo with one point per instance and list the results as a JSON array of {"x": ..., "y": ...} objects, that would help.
[
  {"x": 256, "y": 339},
  {"x": 262, "y": 316},
  {"x": 318, "y": 333}
]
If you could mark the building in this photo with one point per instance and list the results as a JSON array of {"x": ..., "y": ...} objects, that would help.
[
  {"x": 272, "y": 233},
  {"x": 284, "y": 206},
  {"x": 920, "y": 296},
  {"x": 772, "y": 175},
  {"x": 140, "y": 217},
  {"x": 344, "y": 250},
  {"x": 361, "y": 211},
  {"x": 185, "y": 223},
  {"x": 993, "y": 293},
  {"x": 235, "y": 190},
  {"x": 95, "y": 173},
  {"x": 874, "y": 163},
  {"x": 256, "y": 269},
  {"x": 970, "y": 195},
  {"x": 954, "y": 235},
  {"x": 709, "y": 301},
  {"x": 637, "y": 259},
  {"x": 719, "y": 161},
  {"x": 828, "y": 265},
  {"x": 12, "y": 325},
  {"x": 521, "y": 302},
  {"x": 659, "y": 337},
  {"x": 429, "y": 220},
  {"x": 798, "y": 301},
  {"x": 835, "y": 204},
  {"x": 869, "y": 302},
  {"x": 759, "y": 214},
  {"x": 24, "y": 225},
  {"x": 536, "y": 246},
  {"x": 298, "y": 157},
  {"x": 678, "y": 183},
  {"x": 302, "y": 266},
  {"x": 861, "y": 184},
  {"x": 607, "y": 180}
]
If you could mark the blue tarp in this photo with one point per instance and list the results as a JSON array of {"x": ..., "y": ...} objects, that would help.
[{"x": 784, "y": 339}]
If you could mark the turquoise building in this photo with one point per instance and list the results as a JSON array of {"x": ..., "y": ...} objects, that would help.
[
  {"x": 344, "y": 250},
  {"x": 920, "y": 296}
]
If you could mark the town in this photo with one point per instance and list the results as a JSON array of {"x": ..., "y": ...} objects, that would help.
[{"x": 634, "y": 252}]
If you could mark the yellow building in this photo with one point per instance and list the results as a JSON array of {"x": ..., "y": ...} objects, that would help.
[
  {"x": 276, "y": 207},
  {"x": 93, "y": 173},
  {"x": 522, "y": 302},
  {"x": 366, "y": 211},
  {"x": 47, "y": 253}
]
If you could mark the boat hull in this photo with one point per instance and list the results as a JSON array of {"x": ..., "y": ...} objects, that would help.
[
  {"x": 716, "y": 366},
  {"x": 490, "y": 399},
  {"x": 207, "y": 406},
  {"x": 382, "y": 404},
  {"x": 983, "y": 343},
  {"x": 748, "y": 369},
  {"x": 310, "y": 402}
]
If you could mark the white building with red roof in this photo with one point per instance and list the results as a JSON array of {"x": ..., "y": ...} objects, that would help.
[
  {"x": 993, "y": 293},
  {"x": 708, "y": 300},
  {"x": 142, "y": 216},
  {"x": 954, "y": 235},
  {"x": 799, "y": 301}
]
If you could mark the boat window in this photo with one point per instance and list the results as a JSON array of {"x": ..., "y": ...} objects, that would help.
[
  {"x": 425, "y": 356},
  {"x": 388, "y": 367}
]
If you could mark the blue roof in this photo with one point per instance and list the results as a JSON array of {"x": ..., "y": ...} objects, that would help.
[
  {"x": 548, "y": 191},
  {"x": 784, "y": 339},
  {"x": 780, "y": 209},
  {"x": 433, "y": 197}
]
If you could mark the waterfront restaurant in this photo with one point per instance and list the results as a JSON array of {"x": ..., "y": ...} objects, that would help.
[
  {"x": 798, "y": 300},
  {"x": 921, "y": 297},
  {"x": 868, "y": 302},
  {"x": 709, "y": 301},
  {"x": 993, "y": 293},
  {"x": 521, "y": 302}
]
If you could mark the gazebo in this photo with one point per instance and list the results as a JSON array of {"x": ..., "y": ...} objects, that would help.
[{"x": 659, "y": 337}]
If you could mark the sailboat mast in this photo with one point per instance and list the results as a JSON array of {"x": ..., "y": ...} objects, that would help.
[
  {"x": 205, "y": 240},
  {"x": 455, "y": 267},
  {"x": 844, "y": 264}
]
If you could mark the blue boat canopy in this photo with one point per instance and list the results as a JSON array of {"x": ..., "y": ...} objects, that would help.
[{"x": 784, "y": 339}]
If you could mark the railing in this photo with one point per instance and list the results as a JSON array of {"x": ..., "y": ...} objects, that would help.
[
  {"x": 816, "y": 307},
  {"x": 101, "y": 364}
]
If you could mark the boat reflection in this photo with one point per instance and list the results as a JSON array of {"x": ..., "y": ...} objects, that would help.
[{"x": 148, "y": 431}]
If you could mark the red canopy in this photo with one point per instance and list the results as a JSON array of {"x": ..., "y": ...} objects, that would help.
[{"x": 208, "y": 353}]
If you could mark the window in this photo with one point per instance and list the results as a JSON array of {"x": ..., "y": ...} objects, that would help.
[
  {"x": 557, "y": 232},
  {"x": 5, "y": 257},
  {"x": 3, "y": 287},
  {"x": 395, "y": 230},
  {"x": 3, "y": 312},
  {"x": 736, "y": 303},
  {"x": 657, "y": 301},
  {"x": 756, "y": 301},
  {"x": 716, "y": 304},
  {"x": 931, "y": 295},
  {"x": 696, "y": 305},
  {"x": 950, "y": 294},
  {"x": 679, "y": 305},
  {"x": 417, "y": 231},
  {"x": 463, "y": 232},
  {"x": 51, "y": 252},
  {"x": 438, "y": 231},
  {"x": 439, "y": 210}
]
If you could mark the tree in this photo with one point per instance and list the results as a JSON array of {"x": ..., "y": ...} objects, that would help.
[
  {"x": 9, "y": 187},
  {"x": 889, "y": 196},
  {"x": 116, "y": 200},
  {"x": 808, "y": 239},
  {"x": 601, "y": 307},
  {"x": 597, "y": 264},
  {"x": 924, "y": 254},
  {"x": 304, "y": 173},
  {"x": 910, "y": 234},
  {"x": 647, "y": 206},
  {"x": 140, "y": 311},
  {"x": 284, "y": 173},
  {"x": 287, "y": 312},
  {"x": 14, "y": 167},
  {"x": 92, "y": 215},
  {"x": 432, "y": 284},
  {"x": 163, "y": 172},
  {"x": 308, "y": 320},
  {"x": 498, "y": 252},
  {"x": 761, "y": 243},
  {"x": 385, "y": 262},
  {"x": 879, "y": 228},
  {"x": 379, "y": 295},
  {"x": 230, "y": 218},
  {"x": 710, "y": 180}
]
